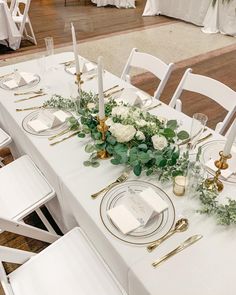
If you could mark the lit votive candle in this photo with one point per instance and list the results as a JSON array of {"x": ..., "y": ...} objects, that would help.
[{"x": 179, "y": 185}]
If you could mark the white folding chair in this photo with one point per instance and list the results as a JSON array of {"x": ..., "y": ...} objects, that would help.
[
  {"x": 151, "y": 64},
  {"x": 23, "y": 190},
  {"x": 71, "y": 265},
  {"x": 217, "y": 91},
  {"x": 5, "y": 140},
  {"x": 22, "y": 19}
]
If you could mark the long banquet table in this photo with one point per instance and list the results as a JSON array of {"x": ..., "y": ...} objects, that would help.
[
  {"x": 206, "y": 268},
  {"x": 220, "y": 18},
  {"x": 8, "y": 29}
]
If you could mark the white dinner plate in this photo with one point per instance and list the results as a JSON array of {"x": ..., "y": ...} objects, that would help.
[{"x": 156, "y": 227}]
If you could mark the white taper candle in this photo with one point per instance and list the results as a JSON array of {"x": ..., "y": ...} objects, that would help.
[
  {"x": 77, "y": 66},
  {"x": 230, "y": 139},
  {"x": 100, "y": 89}
]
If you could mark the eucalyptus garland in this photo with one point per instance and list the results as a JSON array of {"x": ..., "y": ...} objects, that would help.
[
  {"x": 135, "y": 138},
  {"x": 225, "y": 214}
]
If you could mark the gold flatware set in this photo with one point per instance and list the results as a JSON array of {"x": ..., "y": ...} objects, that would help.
[{"x": 64, "y": 138}]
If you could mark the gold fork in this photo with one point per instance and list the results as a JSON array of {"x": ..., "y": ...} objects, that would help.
[
  {"x": 122, "y": 178},
  {"x": 113, "y": 92}
]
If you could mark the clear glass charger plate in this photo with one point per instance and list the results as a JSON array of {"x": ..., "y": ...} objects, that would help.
[
  {"x": 130, "y": 94},
  {"x": 48, "y": 132},
  {"x": 156, "y": 227},
  {"x": 211, "y": 149},
  {"x": 27, "y": 86}
]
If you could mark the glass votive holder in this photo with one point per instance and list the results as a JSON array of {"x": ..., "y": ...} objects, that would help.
[{"x": 179, "y": 185}]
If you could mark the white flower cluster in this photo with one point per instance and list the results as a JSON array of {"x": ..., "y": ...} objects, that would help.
[{"x": 125, "y": 133}]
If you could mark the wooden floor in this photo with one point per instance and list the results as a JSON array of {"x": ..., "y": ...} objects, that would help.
[
  {"x": 221, "y": 67},
  {"x": 51, "y": 18}
]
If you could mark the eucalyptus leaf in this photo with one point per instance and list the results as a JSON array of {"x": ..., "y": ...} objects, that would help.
[
  {"x": 89, "y": 148},
  {"x": 182, "y": 135},
  {"x": 172, "y": 124}
]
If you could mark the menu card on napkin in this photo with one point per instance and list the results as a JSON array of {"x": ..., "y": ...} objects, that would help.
[
  {"x": 145, "y": 205},
  {"x": 224, "y": 173},
  {"x": 137, "y": 210},
  {"x": 123, "y": 219}
]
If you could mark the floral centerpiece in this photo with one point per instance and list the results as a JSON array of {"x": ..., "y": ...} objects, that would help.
[{"x": 134, "y": 137}]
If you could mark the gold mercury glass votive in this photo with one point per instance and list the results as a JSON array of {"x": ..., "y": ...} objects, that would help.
[{"x": 179, "y": 185}]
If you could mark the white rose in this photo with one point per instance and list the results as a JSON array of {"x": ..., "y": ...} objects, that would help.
[
  {"x": 136, "y": 114},
  {"x": 141, "y": 123},
  {"x": 139, "y": 135},
  {"x": 162, "y": 119},
  {"x": 109, "y": 122},
  {"x": 122, "y": 133},
  {"x": 159, "y": 142},
  {"x": 120, "y": 111},
  {"x": 91, "y": 105}
]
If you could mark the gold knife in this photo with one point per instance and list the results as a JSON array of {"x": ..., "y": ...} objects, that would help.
[
  {"x": 181, "y": 247},
  {"x": 31, "y": 97}
]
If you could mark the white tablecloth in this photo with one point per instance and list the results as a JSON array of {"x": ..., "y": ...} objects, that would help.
[
  {"x": 207, "y": 267},
  {"x": 8, "y": 29},
  {"x": 117, "y": 3},
  {"x": 221, "y": 18}
]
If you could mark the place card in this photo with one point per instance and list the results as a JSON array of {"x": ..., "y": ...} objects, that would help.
[
  {"x": 123, "y": 219},
  {"x": 61, "y": 116},
  {"x": 48, "y": 118},
  {"x": 224, "y": 173}
]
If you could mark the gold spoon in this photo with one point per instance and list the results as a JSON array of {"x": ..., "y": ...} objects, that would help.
[{"x": 180, "y": 226}]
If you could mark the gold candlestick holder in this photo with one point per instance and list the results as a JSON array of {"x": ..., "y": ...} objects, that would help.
[
  {"x": 102, "y": 127},
  {"x": 79, "y": 82},
  {"x": 221, "y": 164}
]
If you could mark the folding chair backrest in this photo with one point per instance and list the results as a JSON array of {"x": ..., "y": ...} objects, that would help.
[
  {"x": 215, "y": 90},
  {"x": 151, "y": 64}
]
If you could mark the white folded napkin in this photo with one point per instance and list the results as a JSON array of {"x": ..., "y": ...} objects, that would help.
[
  {"x": 3, "y": 136},
  {"x": 85, "y": 66},
  {"x": 37, "y": 125},
  {"x": 47, "y": 120},
  {"x": 224, "y": 173},
  {"x": 133, "y": 97},
  {"x": 123, "y": 219},
  {"x": 19, "y": 79}
]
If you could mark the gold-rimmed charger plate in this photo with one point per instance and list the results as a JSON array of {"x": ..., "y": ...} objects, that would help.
[{"x": 157, "y": 227}]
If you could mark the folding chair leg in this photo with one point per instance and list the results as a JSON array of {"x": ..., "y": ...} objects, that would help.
[
  {"x": 45, "y": 221},
  {"x": 32, "y": 33}
]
